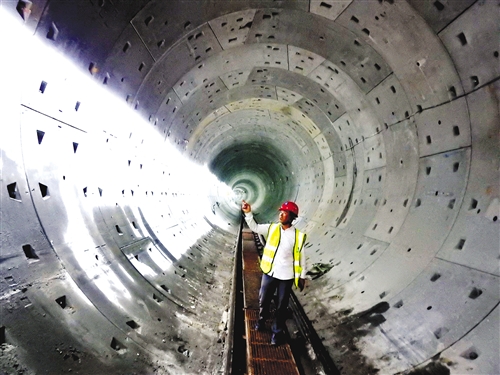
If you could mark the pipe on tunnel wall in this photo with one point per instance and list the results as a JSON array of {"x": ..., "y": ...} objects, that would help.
[{"x": 386, "y": 118}]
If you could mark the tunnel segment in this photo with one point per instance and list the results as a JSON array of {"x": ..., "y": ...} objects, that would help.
[{"x": 379, "y": 118}]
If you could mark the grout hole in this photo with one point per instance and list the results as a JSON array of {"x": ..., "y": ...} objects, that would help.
[
  {"x": 53, "y": 32},
  {"x": 439, "y": 6},
  {"x": 460, "y": 244},
  {"x": 435, "y": 277},
  {"x": 132, "y": 324},
  {"x": 473, "y": 204},
  {"x": 44, "y": 190},
  {"x": 13, "y": 192},
  {"x": 475, "y": 292},
  {"x": 61, "y": 301},
  {"x": 451, "y": 204},
  {"x": 29, "y": 252},
  {"x": 40, "y": 134},
  {"x": 440, "y": 332},
  {"x": 43, "y": 86},
  {"x": 148, "y": 20},
  {"x": 462, "y": 38},
  {"x": 118, "y": 346},
  {"x": 470, "y": 354},
  {"x": 453, "y": 92}
]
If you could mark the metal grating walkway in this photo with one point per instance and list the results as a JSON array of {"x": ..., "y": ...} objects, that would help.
[{"x": 262, "y": 357}]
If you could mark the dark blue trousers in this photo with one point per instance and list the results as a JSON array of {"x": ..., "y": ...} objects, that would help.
[{"x": 269, "y": 285}]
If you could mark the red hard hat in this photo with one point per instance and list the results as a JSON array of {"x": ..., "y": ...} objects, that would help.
[{"x": 290, "y": 206}]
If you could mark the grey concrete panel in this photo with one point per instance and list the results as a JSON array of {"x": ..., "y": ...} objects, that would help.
[
  {"x": 346, "y": 131},
  {"x": 84, "y": 337},
  {"x": 185, "y": 55},
  {"x": 439, "y": 192},
  {"x": 478, "y": 350},
  {"x": 324, "y": 214},
  {"x": 446, "y": 127},
  {"x": 127, "y": 64},
  {"x": 232, "y": 29},
  {"x": 374, "y": 151},
  {"x": 328, "y": 8},
  {"x": 235, "y": 78},
  {"x": 326, "y": 39},
  {"x": 185, "y": 88},
  {"x": 474, "y": 240},
  {"x": 344, "y": 89},
  {"x": 339, "y": 197},
  {"x": 26, "y": 12},
  {"x": 350, "y": 255},
  {"x": 26, "y": 254},
  {"x": 287, "y": 96},
  {"x": 421, "y": 324},
  {"x": 317, "y": 96},
  {"x": 400, "y": 179},
  {"x": 85, "y": 31},
  {"x": 167, "y": 111},
  {"x": 162, "y": 24},
  {"x": 390, "y": 102},
  {"x": 302, "y": 61},
  {"x": 366, "y": 203},
  {"x": 415, "y": 54},
  {"x": 440, "y": 13},
  {"x": 474, "y": 45}
]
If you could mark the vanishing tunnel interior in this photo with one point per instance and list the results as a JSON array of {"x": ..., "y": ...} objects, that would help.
[{"x": 131, "y": 129}]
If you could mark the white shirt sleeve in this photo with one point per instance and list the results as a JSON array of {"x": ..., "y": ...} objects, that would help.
[
  {"x": 303, "y": 264},
  {"x": 261, "y": 229}
]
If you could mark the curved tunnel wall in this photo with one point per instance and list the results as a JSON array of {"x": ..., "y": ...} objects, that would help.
[{"x": 380, "y": 118}]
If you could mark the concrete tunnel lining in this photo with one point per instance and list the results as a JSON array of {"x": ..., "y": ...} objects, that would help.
[{"x": 385, "y": 114}]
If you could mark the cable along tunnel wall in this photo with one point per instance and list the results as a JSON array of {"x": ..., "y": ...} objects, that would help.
[{"x": 387, "y": 113}]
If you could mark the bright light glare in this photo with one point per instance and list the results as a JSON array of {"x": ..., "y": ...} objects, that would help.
[{"x": 110, "y": 134}]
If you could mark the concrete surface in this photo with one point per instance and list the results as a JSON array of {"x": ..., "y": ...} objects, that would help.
[{"x": 379, "y": 118}]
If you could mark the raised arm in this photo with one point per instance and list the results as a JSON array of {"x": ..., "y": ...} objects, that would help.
[{"x": 261, "y": 229}]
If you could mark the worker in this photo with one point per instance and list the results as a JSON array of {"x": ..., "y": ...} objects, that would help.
[{"x": 283, "y": 264}]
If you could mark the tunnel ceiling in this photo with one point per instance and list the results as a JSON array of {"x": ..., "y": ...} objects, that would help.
[{"x": 379, "y": 118}]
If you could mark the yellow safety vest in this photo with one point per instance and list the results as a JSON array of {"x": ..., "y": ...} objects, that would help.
[{"x": 272, "y": 243}]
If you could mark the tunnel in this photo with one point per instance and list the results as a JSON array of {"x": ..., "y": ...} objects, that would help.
[{"x": 131, "y": 130}]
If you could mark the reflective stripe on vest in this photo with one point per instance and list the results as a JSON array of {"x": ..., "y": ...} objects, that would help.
[{"x": 272, "y": 243}]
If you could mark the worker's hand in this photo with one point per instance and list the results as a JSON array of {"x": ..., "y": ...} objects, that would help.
[
  {"x": 245, "y": 207},
  {"x": 302, "y": 284}
]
